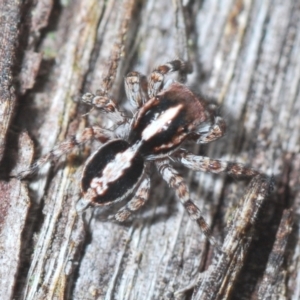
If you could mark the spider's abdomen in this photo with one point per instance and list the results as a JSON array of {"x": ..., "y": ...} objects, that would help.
[
  {"x": 163, "y": 123},
  {"x": 112, "y": 173}
]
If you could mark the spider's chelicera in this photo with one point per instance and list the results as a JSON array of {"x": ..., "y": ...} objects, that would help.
[{"x": 166, "y": 114}]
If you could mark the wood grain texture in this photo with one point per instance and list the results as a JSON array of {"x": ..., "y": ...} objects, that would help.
[
  {"x": 245, "y": 56},
  {"x": 9, "y": 38}
]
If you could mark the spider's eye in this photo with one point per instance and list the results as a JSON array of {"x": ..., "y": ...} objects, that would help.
[{"x": 112, "y": 173}]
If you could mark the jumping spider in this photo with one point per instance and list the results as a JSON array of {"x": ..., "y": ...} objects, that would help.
[{"x": 166, "y": 114}]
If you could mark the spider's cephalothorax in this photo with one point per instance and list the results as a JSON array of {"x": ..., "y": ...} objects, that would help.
[
  {"x": 167, "y": 119},
  {"x": 165, "y": 116}
]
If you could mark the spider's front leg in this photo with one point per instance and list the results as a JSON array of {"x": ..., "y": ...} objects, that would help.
[
  {"x": 104, "y": 103},
  {"x": 74, "y": 141},
  {"x": 175, "y": 181},
  {"x": 136, "y": 89},
  {"x": 139, "y": 91},
  {"x": 216, "y": 166},
  {"x": 156, "y": 78}
]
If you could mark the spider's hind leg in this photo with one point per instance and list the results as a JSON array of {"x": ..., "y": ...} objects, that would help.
[
  {"x": 175, "y": 181},
  {"x": 138, "y": 200}
]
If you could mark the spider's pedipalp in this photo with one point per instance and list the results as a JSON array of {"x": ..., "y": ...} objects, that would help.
[
  {"x": 87, "y": 134},
  {"x": 175, "y": 181},
  {"x": 138, "y": 200},
  {"x": 156, "y": 79},
  {"x": 136, "y": 89},
  {"x": 216, "y": 166}
]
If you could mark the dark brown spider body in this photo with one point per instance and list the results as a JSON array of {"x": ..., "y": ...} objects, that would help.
[
  {"x": 166, "y": 120},
  {"x": 166, "y": 115},
  {"x": 158, "y": 128},
  {"x": 112, "y": 172}
]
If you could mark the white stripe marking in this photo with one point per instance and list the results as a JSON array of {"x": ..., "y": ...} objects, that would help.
[
  {"x": 161, "y": 123},
  {"x": 113, "y": 171}
]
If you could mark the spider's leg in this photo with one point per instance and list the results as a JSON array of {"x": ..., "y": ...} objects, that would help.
[
  {"x": 216, "y": 166},
  {"x": 139, "y": 199},
  {"x": 175, "y": 181},
  {"x": 156, "y": 78},
  {"x": 105, "y": 104},
  {"x": 74, "y": 141},
  {"x": 211, "y": 132},
  {"x": 136, "y": 89},
  {"x": 100, "y": 99}
]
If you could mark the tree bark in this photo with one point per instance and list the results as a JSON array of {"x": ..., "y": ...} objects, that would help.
[{"x": 245, "y": 58}]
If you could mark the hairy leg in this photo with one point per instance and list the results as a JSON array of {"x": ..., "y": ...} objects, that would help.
[
  {"x": 206, "y": 164},
  {"x": 105, "y": 104},
  {"x": 211, "y": 133},
  {"x": 175, "y": 181},
  {"x": 136, "y": 89},
  {"x": 139, "y": 199},
  {"x": 74, "y": 141},
  {"x": 156, "y": 78}
]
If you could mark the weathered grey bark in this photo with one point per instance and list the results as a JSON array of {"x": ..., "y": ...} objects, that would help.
[{"x": 245, "y": 56}]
